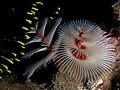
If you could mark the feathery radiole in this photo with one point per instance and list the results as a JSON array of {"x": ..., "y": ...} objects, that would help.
[{"x": 84, "y": 53}]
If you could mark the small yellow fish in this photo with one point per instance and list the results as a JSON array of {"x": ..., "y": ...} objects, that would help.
[{"x": 32, "y": 18}]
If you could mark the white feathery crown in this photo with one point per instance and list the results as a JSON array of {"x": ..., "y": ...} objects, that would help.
[{"x": 84, "y": 52}]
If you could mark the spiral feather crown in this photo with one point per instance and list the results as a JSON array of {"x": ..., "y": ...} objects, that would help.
[
  {"x": 81, "y": 51},
  {"x": 84, "y": 52}
]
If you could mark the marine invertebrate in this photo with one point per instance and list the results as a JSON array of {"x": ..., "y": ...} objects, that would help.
[
  {"x": 87, "y": 55},
  {"x": 45, "y": 45},
  {"x": 45, "y": 41},
  {"x": 81, "y": 51},
  {"x": 12, "y": 44}
]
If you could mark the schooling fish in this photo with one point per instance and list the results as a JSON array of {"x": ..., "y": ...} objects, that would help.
[{"x": 9, "y": 55}]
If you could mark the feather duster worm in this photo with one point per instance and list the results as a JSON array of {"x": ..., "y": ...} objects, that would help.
[
  {"x": 81, "y": 51},
  {"x": 84, "y": 53}
]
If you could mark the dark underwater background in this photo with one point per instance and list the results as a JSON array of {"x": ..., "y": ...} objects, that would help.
[
  {"x": 99, "y": 11},
  {"x": 13, "y": 16}
]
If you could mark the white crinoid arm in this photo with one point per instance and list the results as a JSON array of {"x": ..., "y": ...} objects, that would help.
[
  {"x": 34, "y": 67},
  {"x": 50, "y": 35},
  {"x": 48, "y": 39},
  {"x": 30, "y": 53},
  {"x": 39, "y": 31},
  {"x": 33, "y": 40}
]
